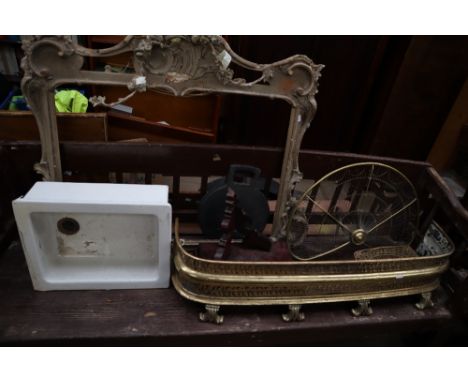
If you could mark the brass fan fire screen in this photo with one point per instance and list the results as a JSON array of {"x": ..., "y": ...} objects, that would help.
[{"x": 364, "y": 204}]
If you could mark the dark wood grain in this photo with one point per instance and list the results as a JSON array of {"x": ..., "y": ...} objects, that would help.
[
  {"x": 81, "y": 127},
  {"x": 382, "y": 95},
  {"x": 208, "y": 159},
  {"x": 94, "y": 161},
  {"x": 353, "y": 67},
  {"x": 429, "y": 80},
  {"x": 124, "y": 127}
]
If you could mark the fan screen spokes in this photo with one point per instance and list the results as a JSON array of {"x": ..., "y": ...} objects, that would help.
[{"x": 361, "y": 205}]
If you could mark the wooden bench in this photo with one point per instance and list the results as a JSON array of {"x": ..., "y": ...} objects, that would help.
[{"x": 162, "y": 316}]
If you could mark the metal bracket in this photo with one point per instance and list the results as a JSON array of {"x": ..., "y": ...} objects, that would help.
[
  {"x": 294, "y": 314},
  {"x": 211, "y": 314},
  {"x": 425, "y": 301},
  {"x": 363, "y": 309}
]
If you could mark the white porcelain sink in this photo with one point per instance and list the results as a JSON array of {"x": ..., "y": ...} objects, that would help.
[{"x": 95, "y": 236}]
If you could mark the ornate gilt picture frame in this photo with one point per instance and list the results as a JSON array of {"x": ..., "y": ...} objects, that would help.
[{"x": 176, "y": 65}]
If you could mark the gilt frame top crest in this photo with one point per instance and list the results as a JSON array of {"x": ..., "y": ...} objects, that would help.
[{"x": 176, "y": 65}]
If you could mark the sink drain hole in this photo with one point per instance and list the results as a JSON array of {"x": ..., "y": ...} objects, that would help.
[{"x": 68, "y": 226}]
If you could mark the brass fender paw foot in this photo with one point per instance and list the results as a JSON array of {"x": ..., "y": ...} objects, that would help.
[
  {"x": 294, "y": 314},
  {"x": 425, "y": 301},
  {"x": 211, "y": 315},
  {"x": 363, "y": 309}
]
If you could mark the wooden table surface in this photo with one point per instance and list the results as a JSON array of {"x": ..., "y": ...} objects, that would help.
[{"x": 162, "y": 317}]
